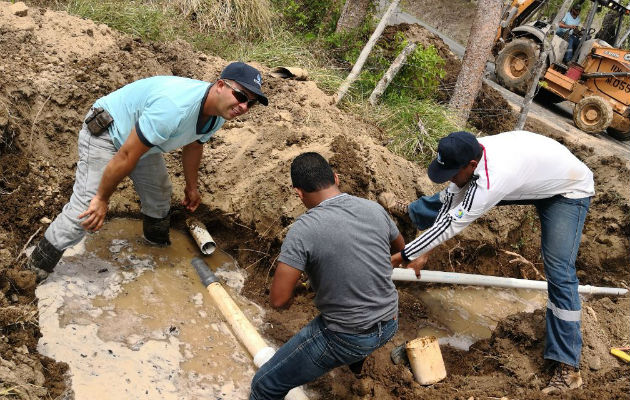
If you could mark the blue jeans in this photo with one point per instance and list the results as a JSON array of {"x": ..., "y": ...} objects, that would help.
[
  {"x": 312, "y": 352},
  {"x": 561, "y": 221},
  {"x": 573, "y": 42},
  {"x": 424, "y": 211}
]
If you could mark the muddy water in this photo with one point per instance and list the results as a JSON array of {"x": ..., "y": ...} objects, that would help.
[
  {"x": 460, "y": 315},
  {"x": 133, "y": 321}
]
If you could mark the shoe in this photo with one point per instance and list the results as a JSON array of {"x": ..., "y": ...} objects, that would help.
[
  {"x": 357, "y": 368},
  {"x": 564, "y": 378},
  {"x": 391, "y": 203},
  {"x": 399, "y": 354},
  {"x": 43, "y": 259}
]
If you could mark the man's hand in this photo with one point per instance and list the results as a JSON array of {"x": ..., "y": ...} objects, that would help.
[
  {"x": 121, "y": 165},
  {"x": 95, "y": 214},
  {"x": 192, "y": 198},
  {"x": 283, "y": 285},
  {"x": 418, "y": 264},
  {"x": 397, "y": 260},
  {"x": 191, "y": 159}
]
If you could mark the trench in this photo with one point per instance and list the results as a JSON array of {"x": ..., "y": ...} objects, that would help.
[
  {"x": 133, "y": 321},
  {"x": 460, "y": 316}
]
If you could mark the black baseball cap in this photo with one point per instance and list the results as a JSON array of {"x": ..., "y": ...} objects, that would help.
[
  {"x": 248, "y": 77},
  {"x": 455, "y": 151}
]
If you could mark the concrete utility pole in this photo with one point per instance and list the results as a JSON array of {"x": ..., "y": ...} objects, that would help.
[{"x": 540, "y": 65}]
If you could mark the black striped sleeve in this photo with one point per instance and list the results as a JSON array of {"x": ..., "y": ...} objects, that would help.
[
  {"x": 443, "y": 225},
  {"x": 448, "y": 201}
]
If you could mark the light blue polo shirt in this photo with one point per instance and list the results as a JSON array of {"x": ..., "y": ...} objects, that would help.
[
  {"x": 568, "y": 20},
  {"x": 165, "y": 110}
]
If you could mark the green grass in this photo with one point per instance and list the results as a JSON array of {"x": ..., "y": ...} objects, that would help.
[
  {"x": 287, "y": 49},
  {"x": 399, "y": 120}
]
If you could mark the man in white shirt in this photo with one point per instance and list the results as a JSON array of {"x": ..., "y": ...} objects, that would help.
[{"x": 514, "y": 168}]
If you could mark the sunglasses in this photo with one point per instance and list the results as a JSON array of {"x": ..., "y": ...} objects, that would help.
[{"x": 241, "y": 97}]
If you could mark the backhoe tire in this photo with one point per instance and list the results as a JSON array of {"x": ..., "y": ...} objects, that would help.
[
  {"x": 592, "y": 114},
  {"x": 619, "y": 135},
  {"x": 514, "y": 65}
]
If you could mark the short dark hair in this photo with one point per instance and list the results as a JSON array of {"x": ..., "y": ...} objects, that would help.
[{"x": 311, "y": 172}]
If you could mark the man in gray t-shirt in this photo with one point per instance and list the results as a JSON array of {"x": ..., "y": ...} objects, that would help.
[{"x": 344, "y": 244}]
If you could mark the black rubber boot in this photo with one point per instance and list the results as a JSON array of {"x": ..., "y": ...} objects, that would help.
[
  {"x": 43, "y": 259},
  {"x": 156, "y": 230},
  {"x": 357, "y": 368}
]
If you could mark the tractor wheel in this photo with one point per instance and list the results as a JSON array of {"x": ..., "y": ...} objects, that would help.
[
  {"x": 592, "y": 114},
  {"x": 515, "y": 63},
  {"x": 619, "y": 135}
]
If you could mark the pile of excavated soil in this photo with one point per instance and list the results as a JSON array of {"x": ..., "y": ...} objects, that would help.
[{"x": 54, "y": 66}]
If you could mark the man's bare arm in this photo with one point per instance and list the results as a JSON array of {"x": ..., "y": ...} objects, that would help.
[
  {"x": 121, "y": 165},
  {"x": 191, "y": 159},
  {"x": 397, "y": 244},
  {"x": 282, "y": 286}
]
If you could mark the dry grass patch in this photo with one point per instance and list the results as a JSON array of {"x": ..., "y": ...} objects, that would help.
[{"x": 250, "y": 18}]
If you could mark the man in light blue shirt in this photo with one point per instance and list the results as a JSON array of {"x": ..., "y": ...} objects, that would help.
[
  {"x": 125, "y": 134},
  {"x": 566, "y": 29}
]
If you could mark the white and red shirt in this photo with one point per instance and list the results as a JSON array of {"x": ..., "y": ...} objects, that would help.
[{"x": 516, "y": 165}]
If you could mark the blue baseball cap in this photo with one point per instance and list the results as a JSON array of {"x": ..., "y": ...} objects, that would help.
[
  {"x": 248, "y": 77},
  {"x": 455, "y": 151}
]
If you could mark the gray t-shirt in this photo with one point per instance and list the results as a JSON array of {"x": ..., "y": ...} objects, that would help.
[{"x": 343, "y": 245}]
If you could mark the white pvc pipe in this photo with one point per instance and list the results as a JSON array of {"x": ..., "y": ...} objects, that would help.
[
  {"x": 405, "y": 274},
  {"x": 201, "y": 235},
  {"x": 242, "y": 328}
]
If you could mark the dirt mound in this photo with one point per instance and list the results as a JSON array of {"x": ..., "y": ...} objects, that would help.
[{"x": 54, "y": 67}]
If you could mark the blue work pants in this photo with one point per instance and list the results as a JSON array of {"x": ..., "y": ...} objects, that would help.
[
  {"x": 561, "y": 221},
  {"x": 312, "y": 352}
]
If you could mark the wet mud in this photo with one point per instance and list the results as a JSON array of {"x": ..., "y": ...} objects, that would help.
[{"x": 119, "y": 310}]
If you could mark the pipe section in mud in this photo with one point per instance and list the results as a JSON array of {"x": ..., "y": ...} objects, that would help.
[
  {"x": 405, "y": 274},
  {"x": 242, "y": 328},
  {"x": 201, "y": 235}
]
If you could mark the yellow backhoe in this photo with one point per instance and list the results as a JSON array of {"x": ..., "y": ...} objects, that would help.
[{"x": 596, "y": 79}]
